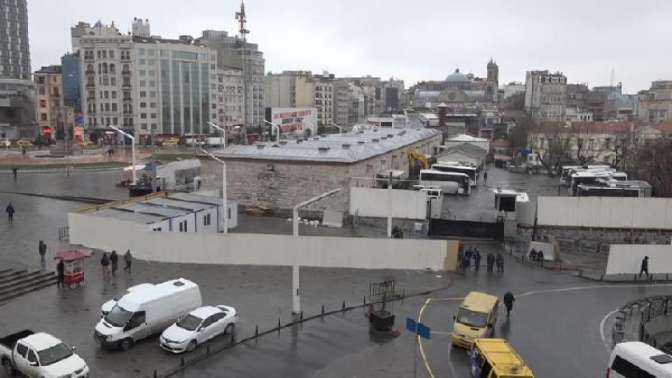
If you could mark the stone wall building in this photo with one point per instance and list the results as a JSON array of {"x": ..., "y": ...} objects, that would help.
[
  {"x": 281, "y": 175},
  {"x": 655, "y": 104}
]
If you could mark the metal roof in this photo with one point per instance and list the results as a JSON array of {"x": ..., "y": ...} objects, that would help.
[
  {"x": 128, "y": 216},
  {"x": 336, "y": 148}
]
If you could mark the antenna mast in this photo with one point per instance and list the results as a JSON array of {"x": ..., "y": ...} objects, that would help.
[{"x": 241, "y": 17}]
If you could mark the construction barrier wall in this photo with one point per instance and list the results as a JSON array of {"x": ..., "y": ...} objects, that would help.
[
  {"x": 627, "y": 258},
  {"x": 260, "y": 249},
  {"x": 372, "y": 202},
  {"x": 605, "y": 212}
]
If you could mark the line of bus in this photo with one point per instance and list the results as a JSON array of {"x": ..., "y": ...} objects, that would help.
[
  {"x": 456, "y": 167},
  {"x": 448, "y": 182}
]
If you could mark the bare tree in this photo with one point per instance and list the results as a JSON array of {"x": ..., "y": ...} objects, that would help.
[
  {"x": 558, "y": 145},
  {"x": 653, "y": 163}
]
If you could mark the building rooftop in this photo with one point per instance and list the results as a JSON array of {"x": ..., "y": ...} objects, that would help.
[
  {"x": 333, "y": 148},
  {"x": 128, "y": 216}
]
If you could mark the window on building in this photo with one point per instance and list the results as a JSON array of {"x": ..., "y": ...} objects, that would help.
[
  {"x": 43, "y": 116},
  {"x": 143, "y": 104},
  {"x": 143, "y": 115},
  {"x": 143, "y": 94},
  {"x": 114, "y": 107},
  {"x": 114, "y": 94},
  {"x": 113, "y": 80},
  {"x": 43, "y": 103}
]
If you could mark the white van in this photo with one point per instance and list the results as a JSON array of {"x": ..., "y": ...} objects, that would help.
[
  {"x": 638, "y": 360},
  {"x": 144, "y": 312},
  {"x": 107, "y": 306}
]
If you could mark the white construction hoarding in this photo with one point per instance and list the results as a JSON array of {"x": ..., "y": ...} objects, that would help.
[
  {"x": 381, "y": 203},
  {"x": 295, "y": 121}
]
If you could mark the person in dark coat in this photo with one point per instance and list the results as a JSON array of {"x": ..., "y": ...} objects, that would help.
[
  {"x": 499, "y": 261},
  {"x": 533, "y": 255},
  {"x": 490, "y": 260},
  {"x": 10, "y": 213},
  {"x": 644, "y": 267},
  {"x": 15, "y": 172},
  {"x": 540, "y": 257},
  {"x": 105, "y": 263},
  {"x": 485, "y": 177},
  {"x": 477, "y": 260},
  {"x": 42, "y": 250},
  {"x": 127, "y": 261},
  {"x": 60, "y": 270},
  {"x": 467, "y": 259},
  {"x": 114, "y": 259},
  {"x": 508, "y": 302}
]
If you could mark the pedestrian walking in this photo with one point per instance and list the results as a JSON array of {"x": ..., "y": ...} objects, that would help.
[
  {"x": 490, "y": 260},
  {"x": 499, "y": 261},
  {"x": 467, "y": 259},
  {"x": 485, "y": 177},
  {"x": 533, "y": 255},
  {"x": 127, "y": 261},
  {"x": 42, "y": 250},
  {"x": 15, "y": 172},
  {"x": 508, "y": 302},
  {"x": 10, "y": 213},
  {"x": 540, "y": 257},
  {"x": 60, "y": 270},
  {"x": 460, "y": 259},
  {"x": 645, "y": 267},
  {"x": 105, "y": 263},
  {"x": 477, "y": 259},
  {"x": 114, "y": 260}
]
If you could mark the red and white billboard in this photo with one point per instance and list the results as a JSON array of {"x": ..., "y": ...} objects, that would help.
[{"x": 295, "y": 120}]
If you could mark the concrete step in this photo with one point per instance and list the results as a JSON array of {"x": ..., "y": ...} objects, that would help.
[
  {"x": 12, "y": 275},
  {"x": 25, "y": 279},
  {"x": 5, "y": 298}
]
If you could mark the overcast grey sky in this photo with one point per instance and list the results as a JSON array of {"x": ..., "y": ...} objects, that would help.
[{"x": 412, "y": 40}]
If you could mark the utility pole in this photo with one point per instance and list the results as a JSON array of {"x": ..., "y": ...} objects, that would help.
[{"x": 241, "y": 17}]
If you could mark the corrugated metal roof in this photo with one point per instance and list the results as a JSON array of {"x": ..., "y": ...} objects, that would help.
[{"x": 337, "y": 148}]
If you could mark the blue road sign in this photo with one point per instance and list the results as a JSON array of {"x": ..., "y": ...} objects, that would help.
[
  {"x": 418, "y": 328},
  {"x": 424, "y": 331},
  {"x": 411, "y": 325}
]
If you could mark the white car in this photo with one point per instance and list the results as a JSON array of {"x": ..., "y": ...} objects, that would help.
[
  {"x": 201, "y": 325},
  {"x": 107, "y": 306},
  {"x": 42, "y": 355}
]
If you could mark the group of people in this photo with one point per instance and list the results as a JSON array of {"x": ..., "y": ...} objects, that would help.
[
  {"x": 473, "y": 257},
  {"x": 110, "y": 263},
  {"x": 537, "y": 256}
]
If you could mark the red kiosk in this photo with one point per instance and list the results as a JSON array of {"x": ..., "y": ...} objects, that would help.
[{"x": 72, "y": 260}]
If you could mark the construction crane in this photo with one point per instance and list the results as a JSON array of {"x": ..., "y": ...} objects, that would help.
[{"x": 416, "y": 159}]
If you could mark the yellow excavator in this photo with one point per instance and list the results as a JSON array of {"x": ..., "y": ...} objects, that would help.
[{"x": 416, "y": 161}]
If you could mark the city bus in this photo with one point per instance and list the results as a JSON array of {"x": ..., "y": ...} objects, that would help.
[
  {"x": 592, "y": 177},
  {"x": 448, "y": 182},
  {"x": 567, "y": 171},
  {"x": 457, "y": 168}
]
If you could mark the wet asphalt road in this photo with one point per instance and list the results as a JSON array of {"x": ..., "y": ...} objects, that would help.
[{"x": 549, "y": 329}]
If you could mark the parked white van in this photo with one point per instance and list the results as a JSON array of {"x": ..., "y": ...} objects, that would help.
[
  {"x": 144, "y": 312},
  {"x": 107, "y": 306},
  {"x": 638, "y": 360}
]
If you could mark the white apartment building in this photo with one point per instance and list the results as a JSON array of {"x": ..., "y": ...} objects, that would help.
[
  {"x": 545, "y": 95},
  {"x": 229, "y": 97},
  {"x": 295, "y": 89}
]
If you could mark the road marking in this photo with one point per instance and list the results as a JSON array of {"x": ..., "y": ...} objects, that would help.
[
  {"x": 604, "y": 320},
  {"x": 527, "y": 294}
]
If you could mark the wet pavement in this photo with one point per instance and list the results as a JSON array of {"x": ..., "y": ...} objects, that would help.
[{"x": 547, "y": 327}]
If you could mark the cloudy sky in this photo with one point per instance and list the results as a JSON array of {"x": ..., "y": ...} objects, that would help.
[{"x": 412, "y": 40}]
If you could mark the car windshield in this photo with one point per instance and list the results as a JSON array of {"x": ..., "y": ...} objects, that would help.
[
  {"x": 54, "y": 354},
  {"x": 189, "y": 322},
  {"x": 118, "y": 316},
  {"x": 472, "y": 318}
]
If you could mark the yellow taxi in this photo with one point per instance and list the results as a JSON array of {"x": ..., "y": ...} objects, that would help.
[
  {"x": 24, "y": 143},
  {"x": 496, "y": 358},
  {"x": 476, "y": 318}
]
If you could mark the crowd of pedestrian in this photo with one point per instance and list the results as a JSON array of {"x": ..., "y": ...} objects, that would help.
[
  {"x": 537, "y": 256},
  {"x": 110, "y": 263},
  {"x": 471, "y": 259}
]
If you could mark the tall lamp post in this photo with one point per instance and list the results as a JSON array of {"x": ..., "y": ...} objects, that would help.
[
  {"x": 225, "y": 205},
  {"x": 276, "y": 128},
  {"x": 132, "y": 138}
]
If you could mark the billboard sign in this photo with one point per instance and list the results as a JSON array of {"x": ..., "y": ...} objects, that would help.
[{"x": 295, "y": 120}]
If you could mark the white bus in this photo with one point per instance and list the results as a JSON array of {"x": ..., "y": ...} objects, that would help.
[
  {"x": 568, "y": 170},
  {"x": 448, "y": 182},
  {"x": 638, "y": 360},
  {"x": 455, "y": 167},
  {"x": 592, "y": 176}
]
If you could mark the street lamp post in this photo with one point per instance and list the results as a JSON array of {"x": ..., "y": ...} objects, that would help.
[
  {"x": 275, "y": 128},
  {"x": 296, "y": 290},
  {"x": 222, "y": 140},
  {"x": 132, "y": 138},
  {"x": 225, "y": 205}
]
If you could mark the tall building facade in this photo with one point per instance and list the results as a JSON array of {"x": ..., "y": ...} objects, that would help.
[
  {"x": 655, "y": 104},
  {"x": 292, "y": 89},
  {"x": 545, "y": 95},
  {"x": 230, "y": 97},
  {"x": 230, "y": 56},
  {"x": 51, "y": 112},
  {"x": 106, "y": 75},
  {"x": 17, "y": 109},
  {"x": 70, "y": 68},
  {"x": 391, "y": 95},
  {"x": 14, "y": 47},
  {"x": 150, "y": 85}
]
